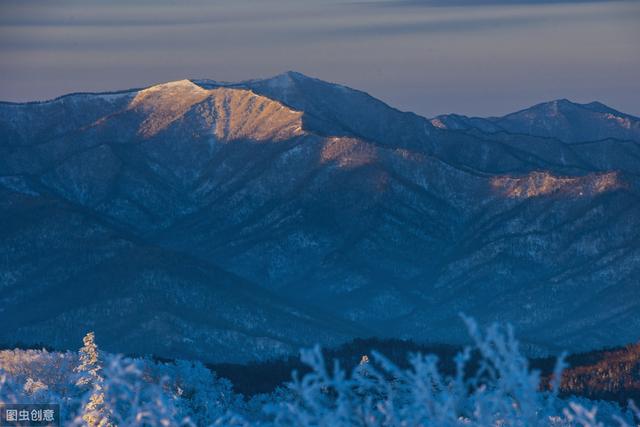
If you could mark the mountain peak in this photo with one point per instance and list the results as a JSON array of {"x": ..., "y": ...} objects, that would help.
[
  {"x": 569, "y": 105},
  {"x": 565, "y": 101},
  {"x": 550, "y": 107},
  {"x": 281, "y": 81},
  {"x": 294, "y": 75},
  {"x": 571, "y": 121},
  {"x": 285, "y": 81},
  {"x": 561, "y": 119},
  {"x": 162, "y": 91},
  {"x": 232, "y": 112}
]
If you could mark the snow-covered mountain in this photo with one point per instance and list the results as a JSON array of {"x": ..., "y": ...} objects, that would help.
[
  {"x": 560, "y": 119},
  {"x": 231, "y": 221}
]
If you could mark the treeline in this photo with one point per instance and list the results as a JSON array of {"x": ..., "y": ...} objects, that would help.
[
  {"x": 612, "y": 375},
  {"x": 263, "y": 377},
  {"x": 604, "y": 375}
]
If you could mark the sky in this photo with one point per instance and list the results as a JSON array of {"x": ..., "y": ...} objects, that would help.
[{"x": 472, "y": 57}]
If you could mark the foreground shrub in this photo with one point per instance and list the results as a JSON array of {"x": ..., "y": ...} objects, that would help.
[{"x": 497, "y": 389}]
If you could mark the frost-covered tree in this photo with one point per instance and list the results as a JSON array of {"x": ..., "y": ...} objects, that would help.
[
  {"x": 95, "y": 413},
  {"x": 134, "y": 401},
  {"x": 204, "y": 397},
  {"x": 34, "y": 387},
  {"x": 89, "y": 367},
  {"x": 497, "y": 389},
  {"x": 500, "y": 391}
]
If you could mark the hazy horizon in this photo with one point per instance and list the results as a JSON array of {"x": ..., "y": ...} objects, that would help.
[{"x": 488, "y": 58}]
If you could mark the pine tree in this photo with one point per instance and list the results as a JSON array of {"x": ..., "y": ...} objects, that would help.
[{"x": 95, "y": 412}]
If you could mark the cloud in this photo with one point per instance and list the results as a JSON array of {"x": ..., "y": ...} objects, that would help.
[
  {"x": 473, "y": 58},
  {"x": 445, "y": 3}
]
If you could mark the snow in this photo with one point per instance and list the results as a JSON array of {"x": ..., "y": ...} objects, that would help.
[{"x": 104, "y": 388}]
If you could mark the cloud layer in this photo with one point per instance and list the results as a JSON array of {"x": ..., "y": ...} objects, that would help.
[{"x": 478, "y": 57}]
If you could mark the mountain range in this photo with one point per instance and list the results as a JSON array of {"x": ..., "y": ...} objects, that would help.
[{"x": 240, "y": 221}]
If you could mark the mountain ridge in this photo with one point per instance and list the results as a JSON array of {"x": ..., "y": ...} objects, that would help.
[
  {"x": 337, "y": 205},
  {"x": 293, "y": 75},
  {"x": 534, "y": 117}
]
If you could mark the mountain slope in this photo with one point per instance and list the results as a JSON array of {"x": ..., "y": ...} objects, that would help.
[
  {"x": 318, "y": 213},
  {"x": 65, "y": 271}
]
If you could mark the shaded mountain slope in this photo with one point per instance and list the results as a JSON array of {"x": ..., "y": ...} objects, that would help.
[{"x": 66, "y": 271}]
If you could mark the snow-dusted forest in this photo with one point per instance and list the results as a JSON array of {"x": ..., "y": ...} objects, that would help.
[{"x": 100, "y": 389}]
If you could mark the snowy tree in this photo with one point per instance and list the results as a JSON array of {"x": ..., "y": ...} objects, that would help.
[
  {"x": 500, "y": 391},
  {"x": 491, "y": 386},
  {"x": 95, "y": 413},
  {"x": 132, "y": 400},
  {"x": 207, "y": 398}
]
